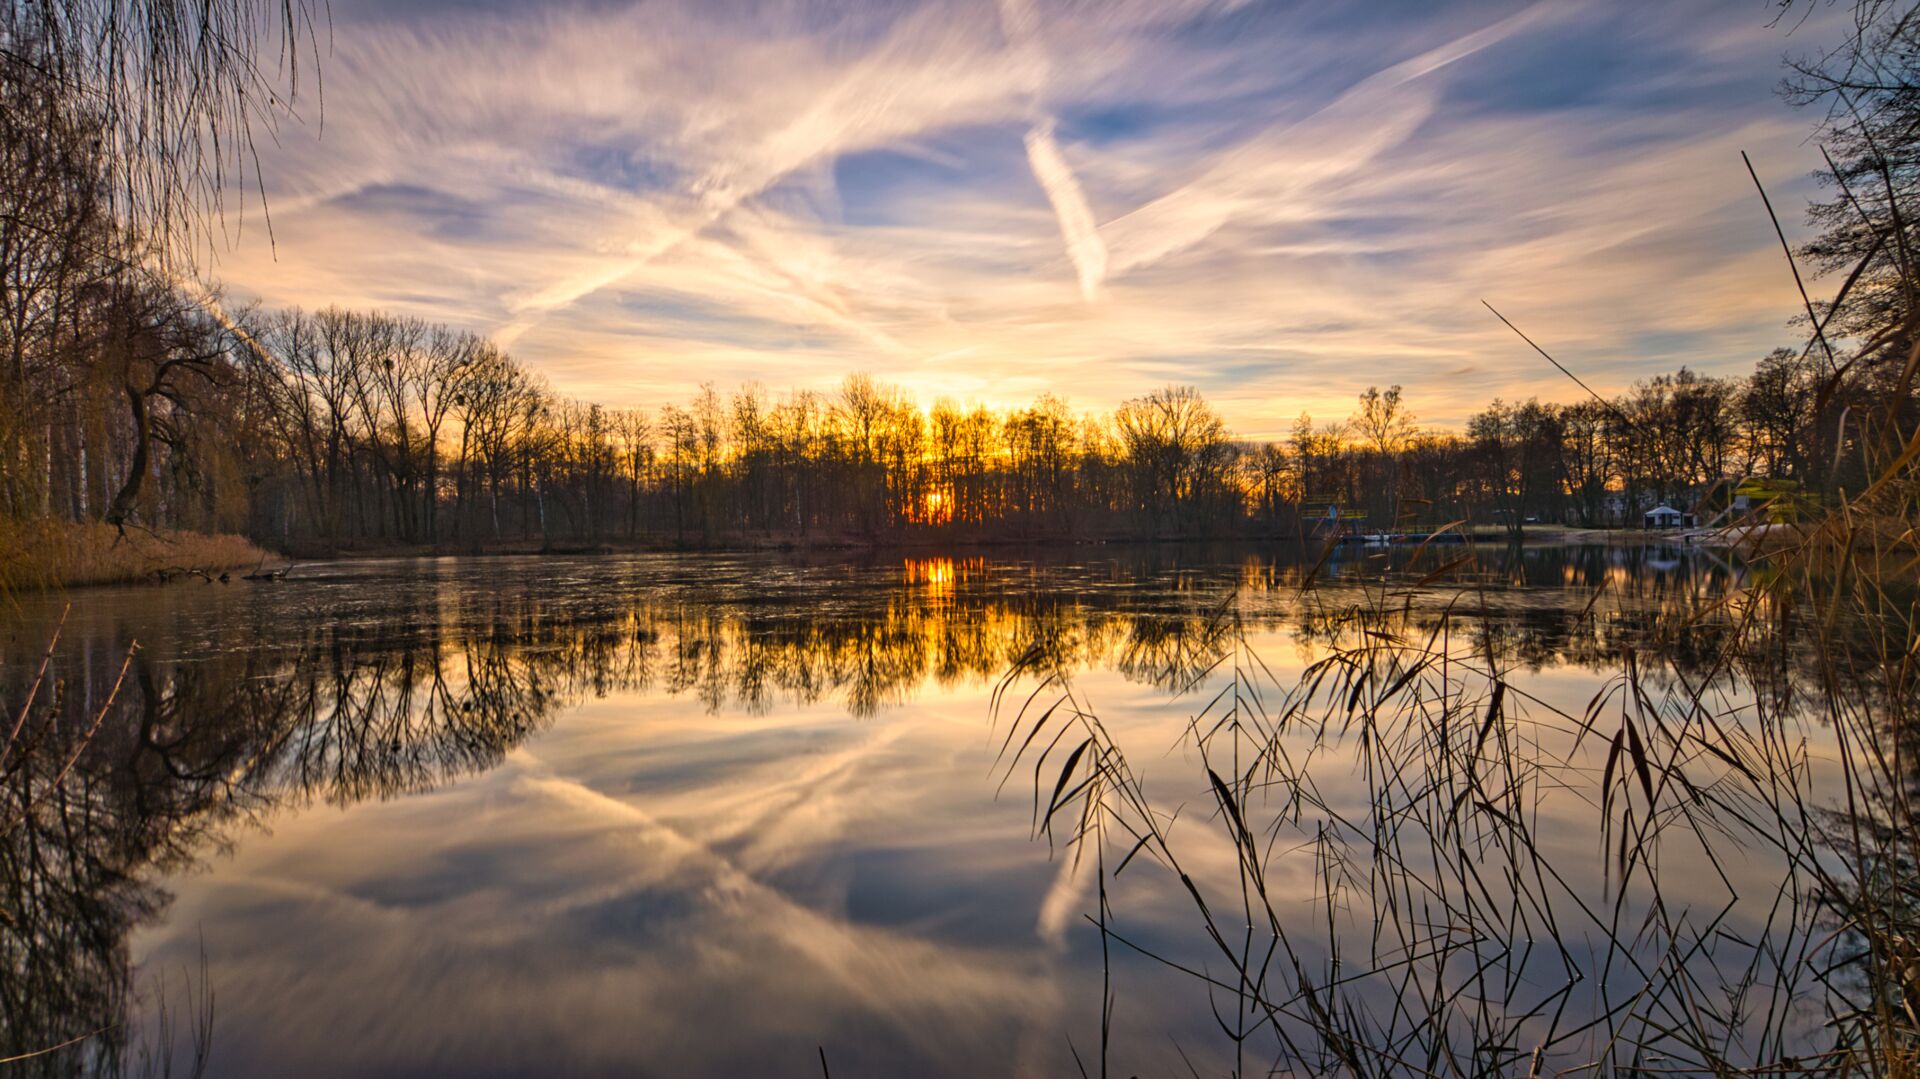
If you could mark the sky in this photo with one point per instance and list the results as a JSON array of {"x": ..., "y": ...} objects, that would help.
[{"x": 1277, "y": 203}]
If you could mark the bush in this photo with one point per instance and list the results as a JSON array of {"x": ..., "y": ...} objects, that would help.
[{"x": 52, "y": 554}]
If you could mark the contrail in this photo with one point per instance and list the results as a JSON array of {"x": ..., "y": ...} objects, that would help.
[{"x": 1077, "y": 228}]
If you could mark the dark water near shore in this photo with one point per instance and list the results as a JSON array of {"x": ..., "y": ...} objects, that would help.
[{"x": 666, "y": 815}]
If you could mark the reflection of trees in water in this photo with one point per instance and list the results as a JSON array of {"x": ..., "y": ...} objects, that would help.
[
  {"x": 191, "y": 748},
  {"x": 218, "y": 726},
  {"x": 1543, "y": 608},
  {"x": 1174, "y": 651},
  {"x": 67, "y": 903}
]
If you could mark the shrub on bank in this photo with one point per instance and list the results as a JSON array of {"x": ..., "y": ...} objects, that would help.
[{"x": 49, "y": 554}]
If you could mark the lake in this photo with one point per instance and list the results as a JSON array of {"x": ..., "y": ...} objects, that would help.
[{"x": 759, "y": 814}]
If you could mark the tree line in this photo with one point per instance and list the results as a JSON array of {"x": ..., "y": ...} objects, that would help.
[{"x": 343, "y": 429}]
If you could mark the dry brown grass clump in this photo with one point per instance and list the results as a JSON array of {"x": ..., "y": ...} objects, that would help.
[{"x": 51, "y": 554}]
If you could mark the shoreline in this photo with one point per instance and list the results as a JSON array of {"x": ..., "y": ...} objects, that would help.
[{"x": 160, "y": 557}]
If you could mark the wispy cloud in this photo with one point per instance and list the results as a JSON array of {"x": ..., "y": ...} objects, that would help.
[
  {"x": 1281, "y": 174},
  {"x": 1084, "y": 246},
  {"x": 1277, "y": 205}
]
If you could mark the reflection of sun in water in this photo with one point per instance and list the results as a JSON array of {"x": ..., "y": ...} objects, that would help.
[{"x": 934, "y": 574}]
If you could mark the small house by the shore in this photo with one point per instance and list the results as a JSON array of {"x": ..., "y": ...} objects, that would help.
[{"x": 1665, "y": 516}]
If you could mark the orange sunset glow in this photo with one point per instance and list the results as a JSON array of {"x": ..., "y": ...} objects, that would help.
[{"x": 1279, "y": 204}]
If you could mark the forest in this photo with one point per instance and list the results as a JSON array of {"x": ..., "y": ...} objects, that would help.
[{"x": 337, "y": 430}]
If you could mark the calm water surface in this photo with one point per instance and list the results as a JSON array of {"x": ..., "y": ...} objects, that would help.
[{"x": 662, "y": 815}]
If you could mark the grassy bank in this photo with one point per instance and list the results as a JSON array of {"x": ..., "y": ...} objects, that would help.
[{"x": 57, "y": 554}]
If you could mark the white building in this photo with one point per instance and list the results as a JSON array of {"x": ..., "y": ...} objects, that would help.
[{"x": 1665, "y": 516}]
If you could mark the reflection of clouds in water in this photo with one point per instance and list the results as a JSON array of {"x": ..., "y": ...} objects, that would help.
[
  {"x": 591, "y": 916},
  {"x": 1066, "y": 898},
  {"x": 699, "y": 765},
  {"x": 768, "y": 814}
]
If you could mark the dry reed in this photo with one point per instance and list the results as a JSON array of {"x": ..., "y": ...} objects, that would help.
[{"x": 51, "y": 554}]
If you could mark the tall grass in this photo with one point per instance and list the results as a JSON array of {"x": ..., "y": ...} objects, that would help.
[
  {"x": 47, "y": 554},
  {"x": 1428, "y": 795},
  {"x": 1746, "y": 897}
]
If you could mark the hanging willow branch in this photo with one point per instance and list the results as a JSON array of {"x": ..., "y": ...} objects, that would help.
[{"x": 177, "y": 92}]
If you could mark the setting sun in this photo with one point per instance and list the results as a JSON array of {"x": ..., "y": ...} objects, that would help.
[{"x": 936, "y": 508}]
